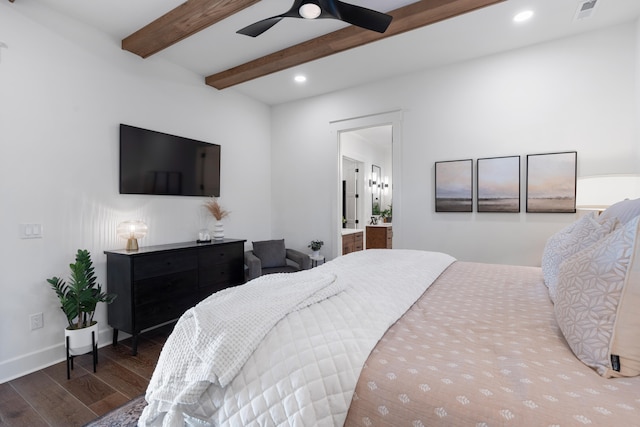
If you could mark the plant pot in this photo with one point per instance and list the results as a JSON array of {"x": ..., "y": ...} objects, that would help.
[
  {"x": 80, "y": 341},
  {"x": 315, "y": 253}
]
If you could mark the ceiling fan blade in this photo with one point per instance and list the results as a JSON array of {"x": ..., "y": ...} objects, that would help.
[
  {"x": 260, "y": 27},
  {"x": 358, "y": 15}
]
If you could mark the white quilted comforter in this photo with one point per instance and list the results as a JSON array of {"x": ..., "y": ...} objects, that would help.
[{"x": 304, "y": 371}]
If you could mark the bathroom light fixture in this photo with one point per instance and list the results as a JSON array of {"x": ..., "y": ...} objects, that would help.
[
  {"x": 132, "y": 231},
  {"x": 300, "y": 78},
  {"x": 523, "y": 16},
  {"x": 309, "y": 11}
]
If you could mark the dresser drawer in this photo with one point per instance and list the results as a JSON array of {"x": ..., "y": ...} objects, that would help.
[
  {"x": 207, "y": 291},
  {"x": 165, "y": 288},
  {"x": 215, "y": 255},
  {"x": 358, "y": 242},
  {"x": 221, "y": 274},
  {"x": 149, "y": 315},
  {"x": 352, "y": 242},
  {"x": 347, "y": 245},
  {"x": 159, "y": 264}
]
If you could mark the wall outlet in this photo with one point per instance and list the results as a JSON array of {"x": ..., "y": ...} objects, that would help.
[{"x": 37, "y": 321}]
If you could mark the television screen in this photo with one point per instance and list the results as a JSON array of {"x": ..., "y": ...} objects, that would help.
[{"x": 157, "y": 163}]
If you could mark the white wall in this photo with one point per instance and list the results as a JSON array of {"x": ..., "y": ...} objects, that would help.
[
  {"x": 64, "y": 90},
  {"x": 573, "y": 94}
]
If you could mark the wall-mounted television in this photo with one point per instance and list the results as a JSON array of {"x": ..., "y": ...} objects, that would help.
[{"x": 158, "y": 163}]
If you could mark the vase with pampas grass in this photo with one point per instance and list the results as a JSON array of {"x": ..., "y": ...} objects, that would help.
[{"x": 214, "y": 208}]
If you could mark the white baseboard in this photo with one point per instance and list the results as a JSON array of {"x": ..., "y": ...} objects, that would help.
[{"x": 32, "y": 362}]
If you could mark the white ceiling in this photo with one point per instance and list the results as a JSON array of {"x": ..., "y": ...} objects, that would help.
[{"x": 483, "y": 32}]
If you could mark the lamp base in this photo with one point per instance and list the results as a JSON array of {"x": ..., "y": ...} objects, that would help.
[{"x": 132, "y": 244}]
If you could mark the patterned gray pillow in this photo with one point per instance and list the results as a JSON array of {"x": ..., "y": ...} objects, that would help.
[
  {"x": 597, "y": 302},
  {"x": 584, "y": 234},
  {"x": 552, "y": 249}
]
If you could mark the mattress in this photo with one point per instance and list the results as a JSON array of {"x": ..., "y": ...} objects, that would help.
[{"x": 481, "y": 348}]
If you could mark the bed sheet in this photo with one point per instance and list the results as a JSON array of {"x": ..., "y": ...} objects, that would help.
[{"x": 482, "y": 348}]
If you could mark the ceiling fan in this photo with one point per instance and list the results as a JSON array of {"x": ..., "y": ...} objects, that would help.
[{"x": 317, "y": 9}]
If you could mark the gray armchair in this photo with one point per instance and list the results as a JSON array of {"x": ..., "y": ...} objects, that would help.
[{"x": 271, "y": 256}]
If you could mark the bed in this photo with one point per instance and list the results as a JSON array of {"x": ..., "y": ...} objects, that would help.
[{"x": 403, "y": 337}]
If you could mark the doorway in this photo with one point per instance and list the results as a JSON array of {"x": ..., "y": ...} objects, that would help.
[
  {"x": 366, "y": 176},
  {"x": 357, "y": 141}
]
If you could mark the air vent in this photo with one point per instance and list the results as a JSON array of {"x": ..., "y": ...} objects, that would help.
[{"x": 586, "y": 9}]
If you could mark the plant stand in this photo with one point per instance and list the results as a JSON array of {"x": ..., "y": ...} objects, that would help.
[{"x": 71, "y": 353}]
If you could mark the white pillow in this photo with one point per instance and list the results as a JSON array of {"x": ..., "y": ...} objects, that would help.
[
  {"x": 553, "y": 248},
  {"x": 583, "y": 235},
  {"x": 598, "y": 301},
  {"x": 624, "y": 211}
]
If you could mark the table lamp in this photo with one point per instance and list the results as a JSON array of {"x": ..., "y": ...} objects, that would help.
[{"x": 132, "y": 231}]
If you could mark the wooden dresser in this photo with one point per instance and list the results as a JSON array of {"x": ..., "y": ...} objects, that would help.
[
  {"x": 352, "y": 242},
  {"x": 157, "y": 284},
  {"x": 379, "y": 236}
]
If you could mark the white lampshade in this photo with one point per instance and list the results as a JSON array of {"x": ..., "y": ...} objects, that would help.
[
  {"x": 132, "y": 231},
  {"x": 601, "y": 191}
]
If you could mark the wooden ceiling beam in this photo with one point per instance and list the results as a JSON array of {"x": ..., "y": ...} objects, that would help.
[
  {"x": 180, "y": 23},
  {"x": 407, "y": 18}
]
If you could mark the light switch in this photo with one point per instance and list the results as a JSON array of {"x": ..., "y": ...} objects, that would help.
[{"x": 31, "y": 231}]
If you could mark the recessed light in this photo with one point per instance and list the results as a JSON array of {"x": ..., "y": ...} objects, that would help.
[
  {"x": 300, "y": 78},
  {"x": 523, "y": 16}
]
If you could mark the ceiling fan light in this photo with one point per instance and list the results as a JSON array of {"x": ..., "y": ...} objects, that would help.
[{"x": 309, "y": 11}]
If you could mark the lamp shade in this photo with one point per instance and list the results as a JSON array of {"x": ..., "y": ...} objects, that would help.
[
  {"x": 132, "y": 231},
  {"x": 601, "y": 191}
]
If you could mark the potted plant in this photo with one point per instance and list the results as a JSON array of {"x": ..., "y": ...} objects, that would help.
[
  {"x": 315, "y": 246},
  {"x": 387, "y": 214},
  {"x": 78, "y": 301}
]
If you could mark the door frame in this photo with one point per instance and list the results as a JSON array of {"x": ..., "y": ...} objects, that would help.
[{"x": 393, "y": 118}]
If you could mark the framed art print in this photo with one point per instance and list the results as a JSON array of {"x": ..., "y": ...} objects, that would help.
[
  {"x": 551, "y": 182},
  {"x": 498, "y": 184},
  {"x": 454, "y": 186}
]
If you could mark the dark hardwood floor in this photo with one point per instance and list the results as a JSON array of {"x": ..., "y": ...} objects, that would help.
[{"x": 47, "y": 398}]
